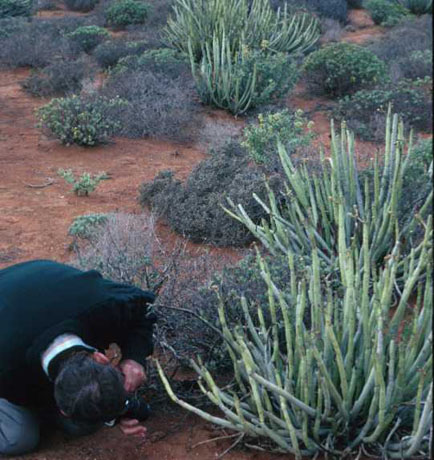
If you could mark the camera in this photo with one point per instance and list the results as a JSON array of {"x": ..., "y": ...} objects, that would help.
[{"x": 136, "y": 407}]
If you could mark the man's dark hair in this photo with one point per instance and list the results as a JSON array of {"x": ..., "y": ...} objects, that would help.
[{"x": 89, "y": 391}]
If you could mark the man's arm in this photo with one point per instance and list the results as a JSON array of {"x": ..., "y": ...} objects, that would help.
[
  {"x": 138, "y": 341},
  {"x": 124, "y": 319}
]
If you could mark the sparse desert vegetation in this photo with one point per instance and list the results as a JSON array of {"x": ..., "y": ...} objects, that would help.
[{"x": 268, "y": 174}]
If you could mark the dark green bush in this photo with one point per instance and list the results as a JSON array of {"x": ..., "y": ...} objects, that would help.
[
  {"x": 108, "y": 53},
  {"x": 88, "y": 37},
  {"x": 12, "y": 8},
  {"x": 365, "y": 111},
  {"x": 46, "y": 5},
  {"x": 343, "y": 68},
  {"x": 418, "y": 7},
  {"x": 386, "y": 12},
  {"x": 57, "y": 79},
  {"x": 81, "y": 121},
  {"x": 356, "y": 4},
  {"x": 81, "y": 5},
  {"x": 166, "y": 61},
  {"x": 126, "y": 12},
  {"x": 333, "y": 9},
  {"x": 194, "y": 209}
]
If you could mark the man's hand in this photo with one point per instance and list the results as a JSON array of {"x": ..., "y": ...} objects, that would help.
[
  {"x": 134, "y": 374},
  {"x": 132, "y": 427}
]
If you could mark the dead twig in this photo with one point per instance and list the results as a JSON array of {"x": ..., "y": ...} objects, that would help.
[
  {"x": 49, "y": 182},
  {"x": 233, "y": 445},
  {"x": 218, "y": 438},
  {"x": 193, "y": 313}
]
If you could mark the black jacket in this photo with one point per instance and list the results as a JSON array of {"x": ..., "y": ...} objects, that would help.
[{"x": 42, "y": 299}]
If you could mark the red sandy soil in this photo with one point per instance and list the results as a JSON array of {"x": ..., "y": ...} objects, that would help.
[
  {"x": 174, "y": 436},
  {"x": 361, "y": 28},
  {"x": 34, "y": 219}
]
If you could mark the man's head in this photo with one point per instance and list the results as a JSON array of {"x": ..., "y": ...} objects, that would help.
[{"x": 88, "y": 388}]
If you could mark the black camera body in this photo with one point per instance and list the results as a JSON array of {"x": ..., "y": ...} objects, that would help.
[{"x": 137, "y": 408}]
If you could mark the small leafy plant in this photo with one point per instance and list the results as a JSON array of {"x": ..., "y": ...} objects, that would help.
[
  {"x": 260, "y": 139},
  {"x": 85, "y": 184},
  {"x": 11, "y": 8},
  {"x": 386, "y": 13},
  {"x": 109, "y": 52},
  {"x": 418, "y": 6},
  {"x": 343, "y": 68},
  {"x": 77, "y": 120},
  {"x": 126, "y": 12},
  {"x": 85, "y": 226},
  {"x": 88, "y": 37}
]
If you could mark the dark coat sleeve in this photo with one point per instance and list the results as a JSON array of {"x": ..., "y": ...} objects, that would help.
[{"x": 126, "y": 318}]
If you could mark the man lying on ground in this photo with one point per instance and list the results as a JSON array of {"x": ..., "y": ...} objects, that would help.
[{"x": 54, "y": 322}]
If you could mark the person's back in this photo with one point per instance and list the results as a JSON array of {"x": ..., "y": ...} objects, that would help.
[{"x": 49, "y": 312}]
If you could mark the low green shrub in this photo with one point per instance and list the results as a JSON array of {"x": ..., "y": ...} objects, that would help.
[
  {"x": 365, "y": 111},
  {"x": 336, "y": 10},
  {"x": 165, "y": 61},
  {"x": 83, "y": 185},
  {"x": 81, "y": 5},
  {"x": 386, "y": 12},
  {"x": 88, "y": 37},
  {"x": 122, "y": 13},
  {"x": 81, "y": 121},
  {"x": 261, "y": 138},
  {"x": 13, "y": 8},
  {"x": 85, "y": 226},
  {"x": 108, "y": 53},
  {"x": 418, "y": 6},
  {"x": 250, "y": 79},
  {"x": 343, "y": 68}
]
